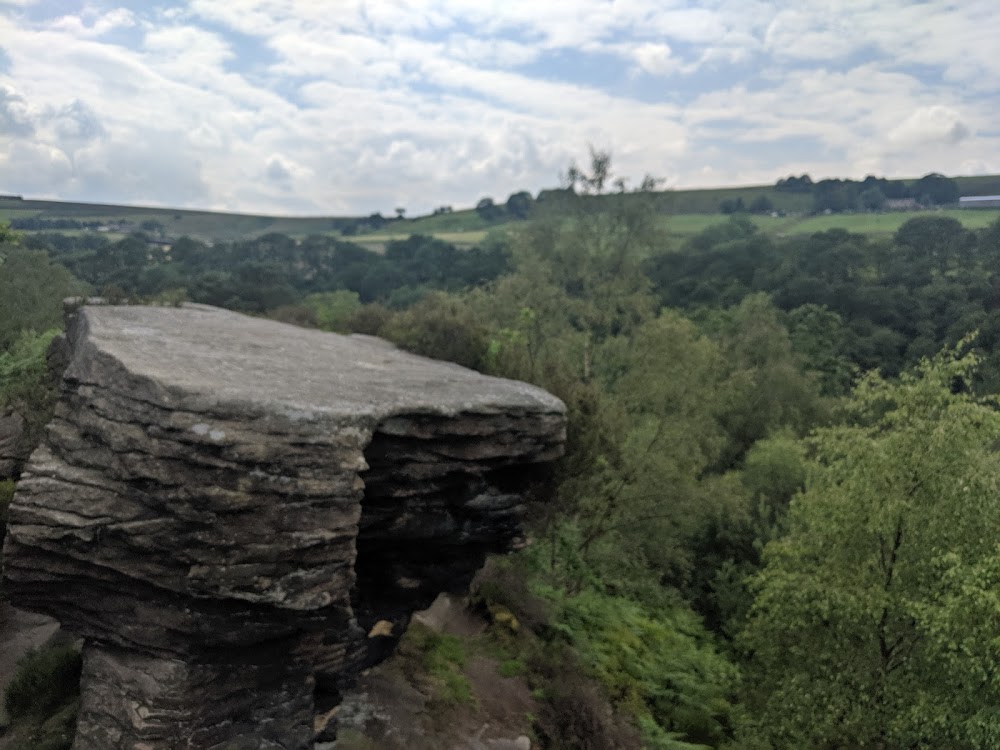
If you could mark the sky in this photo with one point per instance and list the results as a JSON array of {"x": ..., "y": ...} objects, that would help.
[{"x": 347, "y": 107}]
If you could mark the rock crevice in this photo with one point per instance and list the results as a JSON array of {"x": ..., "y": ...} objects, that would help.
[{"x": 225, "y": 508}]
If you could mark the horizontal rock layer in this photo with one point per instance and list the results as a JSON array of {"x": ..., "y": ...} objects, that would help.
[{"x": 225, "y": 507}]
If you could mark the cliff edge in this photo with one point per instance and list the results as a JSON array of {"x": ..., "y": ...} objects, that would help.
[{"x": 238, "y": 515}]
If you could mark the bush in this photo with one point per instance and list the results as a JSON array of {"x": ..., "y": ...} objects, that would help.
[
  {"x": 578, "y": 716},
  {"x": 368, "y": 319},
  {"x": 659, "y": 666},
  {"x": 503, "y": 582},
  {"x": 441, "y": 327},
  {"x": 24, "y": 375},
  {"x": 44, "y": 681}
]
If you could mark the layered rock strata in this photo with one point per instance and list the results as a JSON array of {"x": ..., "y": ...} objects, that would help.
[{"x": 237, "y": 515}]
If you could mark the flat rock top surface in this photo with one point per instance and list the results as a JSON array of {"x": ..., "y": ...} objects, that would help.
[{"x": 228, "y": 357}]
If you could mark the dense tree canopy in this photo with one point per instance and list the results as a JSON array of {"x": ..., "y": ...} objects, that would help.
[
  {"x": 876, "y": 614},
  {"x": 733, "y": 465}
]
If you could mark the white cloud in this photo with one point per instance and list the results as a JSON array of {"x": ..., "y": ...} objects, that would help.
[
  {"x": 355, "y": 106},
  {"x": 76, "y": 123},
  {"x": 796, "y": 34},
  {"x": 695, "y": 25},
  {"x": 654, "y": 58},
  {"x": 101, "y": 23},
  {"x": 15, "y": 117},
  {"x": 934, "y": 124}
]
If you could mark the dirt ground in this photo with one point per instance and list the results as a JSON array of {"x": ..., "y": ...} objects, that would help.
[{"x": 391, "y": 710}]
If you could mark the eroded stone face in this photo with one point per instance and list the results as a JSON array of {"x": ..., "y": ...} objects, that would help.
[{"x": 225, "y": 507}]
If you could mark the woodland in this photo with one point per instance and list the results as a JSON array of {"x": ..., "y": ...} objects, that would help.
[{"x": 777, "y": 523}]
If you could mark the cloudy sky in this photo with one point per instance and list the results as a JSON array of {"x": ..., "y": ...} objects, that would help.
[{"x": 354, "y": 106}]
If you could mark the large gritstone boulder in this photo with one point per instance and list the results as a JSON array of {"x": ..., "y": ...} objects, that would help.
[{"x": 238, "y": 515}]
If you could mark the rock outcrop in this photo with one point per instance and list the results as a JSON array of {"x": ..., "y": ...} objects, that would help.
[{"x": 239, "y": 515}]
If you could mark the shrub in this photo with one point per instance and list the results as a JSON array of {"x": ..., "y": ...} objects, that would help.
[
  {"x": 368, "y": 319},
  {"x": 574, "y": 713},
  {"x": 660, "y": 666},
  {"x": 441, "y": 327},
  {"x": 24, "y": 376},
  {"x": 503, "y": 582},
  {"x": 44, "y": 681}
]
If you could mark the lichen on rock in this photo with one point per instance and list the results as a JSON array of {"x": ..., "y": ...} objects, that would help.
[{"x": 225, "y": 508}]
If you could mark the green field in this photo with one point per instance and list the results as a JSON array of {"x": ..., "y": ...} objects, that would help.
[
  {"x": 870, "y": 223},
  {"x": 686, "y": 212},
  {"x": 13, "y": 213},
  {"x": 377, "y": 242},
  {"x": 685, "y": 225}
]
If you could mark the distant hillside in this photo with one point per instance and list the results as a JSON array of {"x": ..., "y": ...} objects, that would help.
[{"x": 690, "y": 208}]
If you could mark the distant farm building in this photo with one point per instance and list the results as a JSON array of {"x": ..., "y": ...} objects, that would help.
[
  {"x": 901, "y": 204},
  {"x": 979, "y": 201}
]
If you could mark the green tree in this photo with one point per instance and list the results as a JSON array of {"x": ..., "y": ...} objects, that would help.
[
  {"x": 876, "y": 616},
  {"x": 442, "y": 327},
  {"x": 32, "y": 289},
  {"x": 767, "y": 389},
  {"x": 599, "y": 176},
  {"x": 936, "y": 189},
  {"x": 520, "y": 204},
  {"x": 7, "y": 237},
  {"x": 819, "y": 335},
  {"x": 872, "y": 199},
  {"x": 731, "y": 206},
  {"x": 333, "y": 309},
  {"x": 600, "y": 169}
]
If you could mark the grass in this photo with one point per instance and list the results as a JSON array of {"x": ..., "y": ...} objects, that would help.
[
  {"x": 686, "y": 225},
  {"x": 690, "y": 211},
  {"x": 6, "y": 214},
  {"x": 511, "y": 668},
  {"x": 456, "y": 238},
  {"x": 864, "y": 223},
  {"x": 442, "y": 657}
]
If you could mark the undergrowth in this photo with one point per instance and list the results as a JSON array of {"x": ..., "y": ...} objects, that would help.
[
  {"x": 442, "y": 658},
  {"x": 44, "y": 681},
  {"x": 609, "y": 673}
]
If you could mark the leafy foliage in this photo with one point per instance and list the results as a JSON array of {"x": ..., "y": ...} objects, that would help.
[
  {"x": 875, "y": 618},
  {"x": 660, "y": 666},
  {"x": 23, "y": 372},
  {"x": 711, "y": 432},
  {"x": 272, "y": 271},
  {"x": 852, "y": 302},
  {"x": 32, "y": 289},
  {"x": 45, "y": 680}
]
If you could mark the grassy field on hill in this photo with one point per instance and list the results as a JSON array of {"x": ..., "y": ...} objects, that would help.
[
  {"x": 685, "y": 212},
  {"x": 987, "y": 184},
  {"x": 861, "y": 223}
]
